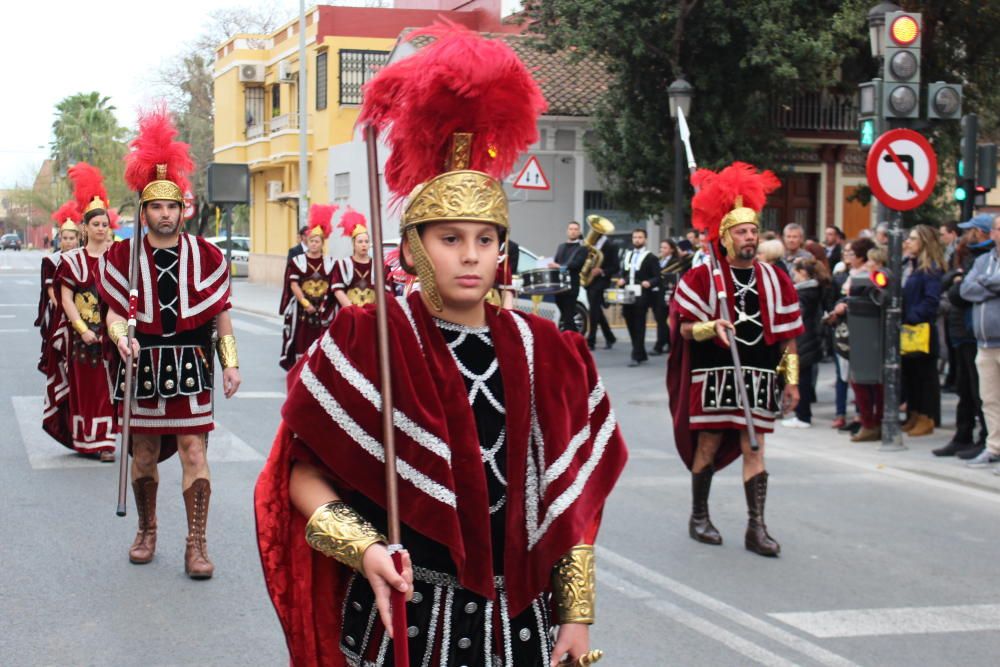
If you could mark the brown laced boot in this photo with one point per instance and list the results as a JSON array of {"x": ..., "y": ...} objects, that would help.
[
  {"x": 700, "y": 526},
  {"x": 757, "y": 539},
  {"x": 196, "y": 562},
  {"x": 144, "y": 546},
  {"x": 911, "y": 421},
  {"x": 923, "y": 426},
  {"x": 867, "y": 435}
]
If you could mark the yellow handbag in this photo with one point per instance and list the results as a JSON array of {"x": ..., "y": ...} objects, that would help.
[{"x": 915, "y": 339}]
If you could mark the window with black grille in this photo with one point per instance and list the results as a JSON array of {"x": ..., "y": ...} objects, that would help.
[
  {"x": 275, "y": 101},
  {"x": 254, "y": 107},
  {"x": 356, "y": 68},
  {"x": 321, "y": 81}
]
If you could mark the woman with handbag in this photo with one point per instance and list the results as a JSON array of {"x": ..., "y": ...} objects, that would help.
[{"x": 923, "y": 268}]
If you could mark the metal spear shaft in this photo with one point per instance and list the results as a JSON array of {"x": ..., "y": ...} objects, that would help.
[
  {"x": 401, "y": 650},
  {"x": 130, "y": 362},
  {"x": 720, "y": 288}
]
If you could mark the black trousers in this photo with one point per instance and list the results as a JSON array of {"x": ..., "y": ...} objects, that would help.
[
  {"x": 970, "y": 406},
  {"x": 635, "y": 319},
  {"x": 595, "y": 304},
  {"x": 566, "y": 302},
  {"x": 660, "y": 312},
  {"x": 923, "y": 389}
]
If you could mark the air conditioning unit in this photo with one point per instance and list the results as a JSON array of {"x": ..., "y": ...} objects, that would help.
[
  {"x": 252, "y": 73},
  {"x": 285, "y": 73},
  {"x": 273, "y": 190}
]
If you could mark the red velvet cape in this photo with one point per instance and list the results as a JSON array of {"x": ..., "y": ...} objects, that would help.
[
  {"x": 695, "y": 300},
  {"x": 563, "y": 458},
  {"x": 203, "y": 283}
]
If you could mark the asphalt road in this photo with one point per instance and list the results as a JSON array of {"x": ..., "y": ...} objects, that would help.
[{"x": 887, "y": 558}]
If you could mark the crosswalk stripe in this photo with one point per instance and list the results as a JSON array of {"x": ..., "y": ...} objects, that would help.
[
  {"x": 249, "y": 327},
  {"x": 260, "y": 394},
  {"x": 44, "y": 453},
  {"x": 894, "y": 621}
]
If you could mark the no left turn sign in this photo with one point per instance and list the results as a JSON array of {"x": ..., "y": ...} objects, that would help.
[{"x": 901, "y": 169}]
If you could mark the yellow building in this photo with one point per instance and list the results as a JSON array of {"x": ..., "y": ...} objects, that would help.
[{"x": 256, "y": 109}]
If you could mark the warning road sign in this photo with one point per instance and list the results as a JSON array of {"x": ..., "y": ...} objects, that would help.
[
  {"x": 901, "y": 169},
  {"x": 531, "y": 177}
]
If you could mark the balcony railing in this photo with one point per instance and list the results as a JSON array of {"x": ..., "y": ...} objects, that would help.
[
  {"x": 288, "y": 121},
  {"x": 257, "y": 130},
  {"x": 816, "y": 112}
]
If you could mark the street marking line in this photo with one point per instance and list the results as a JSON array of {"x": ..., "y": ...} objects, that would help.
[
  {"x": 243, "y": 325},
  {"x": 808, "y": 479},
  {"x": 731, "y": 640},
  {"x": 14, "y": 330},
  {"x": 7, "y": 317},
  {"x": 44, "y": 453},
  {"x": 772, "y": 632},
  {"x": 18, "y": 305},
  {"x": 894, "y": 621},
  {"x": 260, "y": 394}
]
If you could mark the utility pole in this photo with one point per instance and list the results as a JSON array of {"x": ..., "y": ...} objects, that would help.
[{"x": 303, "y": 83}]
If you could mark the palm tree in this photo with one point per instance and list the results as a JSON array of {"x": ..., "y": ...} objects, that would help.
[{"x": 86, "y": 129}]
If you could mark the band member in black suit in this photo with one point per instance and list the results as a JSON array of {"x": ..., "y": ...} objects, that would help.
[
  {"x": 300, "y": 247},
  {"x": 570, "y": 256},
  {"x": 673, "y": 263},
  {"x": 601, "y": 280},
  {"x": 638, "y": 267}
]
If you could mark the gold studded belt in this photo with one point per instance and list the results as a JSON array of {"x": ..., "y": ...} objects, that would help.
[{"x": 167, "y": 371}]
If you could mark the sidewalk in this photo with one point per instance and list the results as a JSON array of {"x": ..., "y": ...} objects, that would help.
[{"x": 256, "y": 298}]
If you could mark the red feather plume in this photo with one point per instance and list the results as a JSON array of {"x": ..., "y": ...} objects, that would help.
[
  {"x": 321, "y": 215},
  {"x": 88, "y": 182},
  {"x": 113, "y": 218},
  {"x": 461, "y": 82},
  {"x": 156, "y": 144},
  {"x": 350, "y": 221},
  {"x": 68, "y": 211},
  {"x": 717, "y": 193}
]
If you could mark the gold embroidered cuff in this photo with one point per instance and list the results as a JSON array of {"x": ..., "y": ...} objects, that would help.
[
  {"x": 574, "y": 580},
  {"x": 337, "y": 531},
  {"x": 117, "y": 329},
  {"x": 304, "y": 302},
  {"x": 226, "y": 347},
  {"x": 80, "y": 326},
  {"x": 702, "y": 331},
  {"x": 789, "y": 367}
]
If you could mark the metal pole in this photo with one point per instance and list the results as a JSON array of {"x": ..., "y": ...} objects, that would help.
[
  {"x": 892, "y": 437},
  {"x": 677, "y": 227},
  {"x": 303, "y": 135},
  {"x": 227, "y": 212}
]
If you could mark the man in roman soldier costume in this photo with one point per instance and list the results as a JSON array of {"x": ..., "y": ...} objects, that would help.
[
  {"x": 307, "y": 302},
  {"x": 90, "y": 414},
  {"x": 353, "y": 282},
  {"x": 506, "y": 443},
  {"x": 710, "y": 427},
  {"x": 67, "y": 219},
  {"x": 182, "y": 293}
]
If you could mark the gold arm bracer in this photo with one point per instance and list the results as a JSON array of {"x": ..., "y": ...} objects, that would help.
[
  {"x": 702, "y": 331},
  {"x": 117, "y": 329},
  {"x": 226, "y": 347},
  {"x": 574, "y": 585},
  {"x": 80, "y": 326},
  {"x": 338, "y": 531},
  {"x": 789, "y": 367},
  {"x": 304, "y": 302}
]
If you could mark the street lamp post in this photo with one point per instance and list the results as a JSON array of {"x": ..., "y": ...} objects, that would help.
[{"x": 680, "y": 93}]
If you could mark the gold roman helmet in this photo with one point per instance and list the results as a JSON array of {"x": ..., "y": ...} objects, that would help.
[
  {"x": 162, "y": 188},
  {"x": 69, "y": 226},
  {"x": 740, "y": 215},
  {"x": 459, "y": 194}
]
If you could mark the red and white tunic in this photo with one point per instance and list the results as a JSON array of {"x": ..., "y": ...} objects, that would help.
[
  {"x": 764, "y": 307},
  {"x": 78, "y": 375},
  {"x": 46, "y": 309},
  {"x": 315, "y": 277},
  {"x": 181, "y": 292},
  {"x": 355, "y": 279}
]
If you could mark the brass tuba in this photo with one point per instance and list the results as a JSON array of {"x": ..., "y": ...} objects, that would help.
[{"x": 599, "y": 227}]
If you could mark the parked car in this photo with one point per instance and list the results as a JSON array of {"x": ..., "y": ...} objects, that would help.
[
  {"x": 12, "y": 241},
  {"x": 241, "y": 252}
]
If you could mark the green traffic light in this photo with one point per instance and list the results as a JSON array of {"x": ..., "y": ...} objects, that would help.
[
  {"x": 960, "y": 194},
  {"x": 961, "y": 168},
  {"x": 867, "y": 137}
]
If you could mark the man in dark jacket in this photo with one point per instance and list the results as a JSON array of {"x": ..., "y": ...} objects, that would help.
[
  {"x": 976, "y": 242},
  {"x": 300, "y": 247},
  {"x": 569, "y": 256},
  {"x": 600, "y": 280},
  {"x": 640, "y": 270}
]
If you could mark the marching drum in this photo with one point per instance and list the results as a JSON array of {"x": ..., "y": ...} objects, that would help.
[
  {"x": 545, "y": 281},
  {"x": 620, "y": 295}
]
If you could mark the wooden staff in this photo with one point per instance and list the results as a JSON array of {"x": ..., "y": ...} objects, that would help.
[
  {"x": 130, "y": 364},
  {"x": 401, "y": 648}
]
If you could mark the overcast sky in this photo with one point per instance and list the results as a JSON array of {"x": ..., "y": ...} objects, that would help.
[{"x": 54, "y": 49}]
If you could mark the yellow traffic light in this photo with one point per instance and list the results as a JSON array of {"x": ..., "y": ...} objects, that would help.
[{"x": 904, "y": 30}]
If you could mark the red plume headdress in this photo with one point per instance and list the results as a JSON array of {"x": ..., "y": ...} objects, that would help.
[
  {"x": 352, "y": 223},
  {"x": 114, "y": 218},
  {"x": 730, "y": 197},
  {"x": 67, "y": 216},
  {"x": 321, "y": 219},
  {"x": 88, "y": 188},
  {"x": 158, "y": 165}
]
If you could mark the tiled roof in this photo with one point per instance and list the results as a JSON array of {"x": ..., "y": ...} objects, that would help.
[{"x": 571, "y": 87}]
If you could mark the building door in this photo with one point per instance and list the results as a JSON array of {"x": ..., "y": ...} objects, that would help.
[
  {"x": 796, "y": 201},
  {"x": 857, "y": 216}
]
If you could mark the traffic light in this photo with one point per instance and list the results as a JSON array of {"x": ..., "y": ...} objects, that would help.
[
  {"x": 870, "y": 123},
  {"x": 986, "y": 166},
  {"x": 944, "y": 100},
  {"x": 901, "y": 91},
  {"x": 970, "y": 130}
]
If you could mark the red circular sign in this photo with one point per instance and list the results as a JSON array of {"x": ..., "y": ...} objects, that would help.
[{"x": 901, "y": 169}]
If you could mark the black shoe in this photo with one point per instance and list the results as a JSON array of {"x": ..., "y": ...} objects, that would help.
[
  {"x": 952, "y": 448},
  {"x": 971, "y": 453},
  {"x": 655, "y": 352},
  {"x": 633, "y": 363},
  {"x": 608, "y": 344},
  {"x": 591, "y": 345},
  {"x": 853, "y": 428}
]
